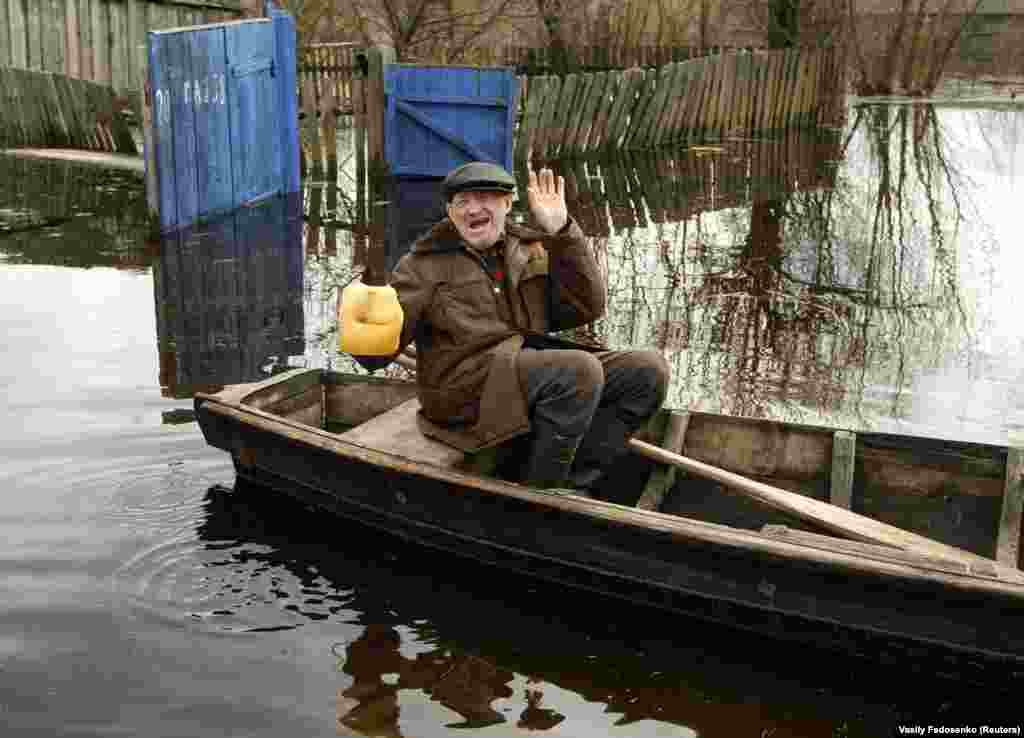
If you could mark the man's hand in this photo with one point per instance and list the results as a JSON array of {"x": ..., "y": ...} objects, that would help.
[{"x": 546, "y": 196}]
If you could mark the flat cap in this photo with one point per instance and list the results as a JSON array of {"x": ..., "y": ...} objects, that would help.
[{"x": 478, "y": 176}]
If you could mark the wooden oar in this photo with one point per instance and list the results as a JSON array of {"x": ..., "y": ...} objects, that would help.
[{"x": 830, "y": 517}]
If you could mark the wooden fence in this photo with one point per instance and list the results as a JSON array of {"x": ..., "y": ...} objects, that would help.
[
  {"x": 613, "y": 195},
  {"x": 326, "y": 74},
  {"x": 534, "y": 60},
  {"x": 635, "y": 189},
  {"x": 332, "y": 67},
  {"x": 44, "y": 109},
  {"x": 99, "y": 40},
  {"x": 707, "y": 98}
]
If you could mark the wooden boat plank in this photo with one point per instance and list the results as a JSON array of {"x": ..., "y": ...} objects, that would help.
[
  {"x": 882, "y": 553},
  {"x": 350, "y": 403},
  {"x": 759, "y": 449},
  {"x": 952, "y": 479},
  {"x": 396, "y": 432},
  {"x": 1008, "y": 583},
  {"x": 695, "y": 578},
  {"x": 882, "y": 471},
  {"x": 271, "y": 390},
  {"x": 664, "y": 476},
  {"x": 820, "y": 513},
  {"x": 923, "y": 465},
  {"x": 305, "y": 407}
]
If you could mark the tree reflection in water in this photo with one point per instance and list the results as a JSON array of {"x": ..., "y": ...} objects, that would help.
[
  {"x": 795, "y": 288},
  {"x": 809, "y": 277}
]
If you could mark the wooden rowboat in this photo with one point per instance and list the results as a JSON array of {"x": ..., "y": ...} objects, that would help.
[{"x": 350, "y": 444}]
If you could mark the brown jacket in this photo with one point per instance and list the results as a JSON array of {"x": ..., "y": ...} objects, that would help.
[{"x": 468, "y": 336}]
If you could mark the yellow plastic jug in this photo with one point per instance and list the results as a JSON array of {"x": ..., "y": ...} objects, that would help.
[{"x": 369, "y": 319}]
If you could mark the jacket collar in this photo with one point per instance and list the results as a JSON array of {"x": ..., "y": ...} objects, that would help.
[{"x": 443, "y": 236}]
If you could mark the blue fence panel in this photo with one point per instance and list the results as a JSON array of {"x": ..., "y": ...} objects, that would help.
[
  {"x": 440, "y": 117},
  {"x": 163, "y": 131},
  {"x": 225, "y": 121},
  {"x": 286, "y": 74},
  {"x": 179, "y": 63},
  {"x": 214, "y": 183},
  {"x": 254, "y": 140}
]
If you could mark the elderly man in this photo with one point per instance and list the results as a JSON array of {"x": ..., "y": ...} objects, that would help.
[{"x": 479, "y": 296}]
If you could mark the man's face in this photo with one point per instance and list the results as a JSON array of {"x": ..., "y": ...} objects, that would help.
[{"x": 480, "y": 216}]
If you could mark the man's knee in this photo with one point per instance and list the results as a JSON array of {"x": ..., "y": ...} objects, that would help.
[
  {"x": 587, "y": 373},
  {"x": 561, "y": 373},
  {"x": 645, "y": 376},
  {"x": 653, "y": 371}
]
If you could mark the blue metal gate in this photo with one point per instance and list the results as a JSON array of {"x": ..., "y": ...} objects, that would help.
[
  {"x": 440, "y": 117},
  {"x": 225, "y": 117}
]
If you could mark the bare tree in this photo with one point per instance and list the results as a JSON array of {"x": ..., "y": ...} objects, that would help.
[
  {"x": 418, "y": 30},
  {"x": 915, "y": 40},
  {"x": 784, "y": 23}
]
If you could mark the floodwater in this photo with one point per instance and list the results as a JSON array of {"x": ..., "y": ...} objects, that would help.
[{"x": 864, "y": 278}]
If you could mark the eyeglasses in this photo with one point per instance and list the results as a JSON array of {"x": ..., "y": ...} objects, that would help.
[{"x": 463, "y": 200}]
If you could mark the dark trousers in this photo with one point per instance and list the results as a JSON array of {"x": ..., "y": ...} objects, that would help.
[{"x": 602, "y": 398}]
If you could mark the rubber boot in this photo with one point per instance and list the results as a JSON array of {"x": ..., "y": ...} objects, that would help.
[
  {"x": 550, "y": 459},
  {"x": 603, "y": 444}
]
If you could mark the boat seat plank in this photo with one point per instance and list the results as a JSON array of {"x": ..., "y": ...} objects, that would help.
[
  {"x": 397, "y": 432},
  {"x": 877, "y": 552}
]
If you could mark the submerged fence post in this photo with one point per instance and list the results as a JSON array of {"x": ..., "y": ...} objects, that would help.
[{"x": 377, "y": 60}]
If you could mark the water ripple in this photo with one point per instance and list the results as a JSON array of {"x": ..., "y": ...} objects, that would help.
[{"x": 221, "y": 584}]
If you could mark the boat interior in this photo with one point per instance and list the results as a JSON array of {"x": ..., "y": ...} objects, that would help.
[{"x": 948, "y": 491}]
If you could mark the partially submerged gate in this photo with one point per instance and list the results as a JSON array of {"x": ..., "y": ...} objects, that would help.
[
  {"x": 224, "y": 117},
  {"x": 436, "y": 119},
  {"x": 440, "y": 117}
]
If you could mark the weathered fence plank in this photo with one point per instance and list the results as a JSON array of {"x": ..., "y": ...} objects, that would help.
[
  {"x": 563, "y": 110},
  {"x": 331, "y": 67},
  {"x": 645, "y": 129},
  {"x": 575, "y": 114},
  {"x": 96, "y": 40},
  {"x": 550, "y": 102},
  {"x": 18, "y": 24},
  {"x": 632, "y": 135},
  {"x": 593, "y": 103},
  {"x": 619, "y": 117},
  {"x": 43, "y": 109}
]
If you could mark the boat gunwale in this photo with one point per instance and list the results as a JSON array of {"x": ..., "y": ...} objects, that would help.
[{"x": 230, "y": 402}]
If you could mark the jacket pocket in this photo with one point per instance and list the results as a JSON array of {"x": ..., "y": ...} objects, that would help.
[
  {"x": 450, "y": 406},
  {"x": 468, "y": 310}
]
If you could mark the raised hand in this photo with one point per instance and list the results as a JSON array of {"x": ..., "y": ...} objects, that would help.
[{"x": 546, "y": 195}]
